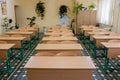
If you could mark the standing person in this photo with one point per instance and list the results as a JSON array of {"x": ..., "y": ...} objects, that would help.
[{"x": 64, "y": 21}]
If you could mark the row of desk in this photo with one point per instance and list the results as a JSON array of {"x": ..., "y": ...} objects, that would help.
[
  {"x": 59, "y": 67},
  {"x": 99, "y": 39},
  {"x": 15, "y": 39}
]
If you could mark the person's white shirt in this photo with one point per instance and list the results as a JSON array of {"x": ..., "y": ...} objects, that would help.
[{"x": 64, "y": 21}]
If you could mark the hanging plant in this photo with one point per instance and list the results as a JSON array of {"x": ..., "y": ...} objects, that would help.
[
  {"x": 78, "y": 7},
  {"x": 40, "y": 9},
  {"x": 31, "y": 23},
  {"x": 63, "y": 10}
]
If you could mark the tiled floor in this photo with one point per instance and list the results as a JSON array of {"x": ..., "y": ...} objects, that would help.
[{"x": 98, "y": 74}]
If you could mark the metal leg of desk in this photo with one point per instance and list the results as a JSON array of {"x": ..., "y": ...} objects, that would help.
[
  {"x": 9, "y": 69},
  {"x": 106, "y": 64},
  {"x": 21, "y": 51},
  {"x": 30, "y": 42}
]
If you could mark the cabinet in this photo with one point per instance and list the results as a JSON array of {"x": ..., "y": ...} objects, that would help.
[{"x": 87, "y": 17}]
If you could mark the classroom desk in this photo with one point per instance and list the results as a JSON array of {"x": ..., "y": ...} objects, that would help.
[
  {"x": 85, "y": 31},
  {"x": 18, "y": 41},
  {"x": 59, "y": 30},
  {"x": 112, "y": 50},
  {"x": 98, "y": 39},
  {"x": 35, "y": 34},
  {"x": 91, "y": 34},
  {"x": 15, "y": 40},
  {"x": 5, "y": 55},
  {"x": 55, "y": 48},
  {"x": 34, "y": 28},
  {"x": 58, "y": 33},
  {"x": 44, "y": 39},
  {"x": 28, "y": 35},
  {"x": 29, "y": 29},
  {"x": 59, "y": 68}
]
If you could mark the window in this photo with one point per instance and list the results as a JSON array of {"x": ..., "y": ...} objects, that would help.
[{"x": 105, "y": 11}]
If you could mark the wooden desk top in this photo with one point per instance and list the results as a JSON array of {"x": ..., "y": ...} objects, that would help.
[
  {"x": 59, "y": 30},
  {"x": 59, "y": 47},
  {"x": 57, "y": 62},
  {"x": 92, "y": 33},
  {"x": 6, "y": 46},
  {"x": 28, "y": 33},
  {"x": 111, "y": 45},
  {"x": 106, "y": 37},
  {"x": 59, "y": 33},
  {"x": 12, "y": 38},
  {"x": 31, "y": 29},
  {"x": 59, "y": 38}
]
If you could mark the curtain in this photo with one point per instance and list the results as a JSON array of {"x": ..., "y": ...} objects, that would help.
[
  {"x": 105, "y": 11},
  {"x": 116, "y": 19}
]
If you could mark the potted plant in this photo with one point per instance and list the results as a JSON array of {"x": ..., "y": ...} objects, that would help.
[
  {"x": 17, "y": 26},
  {"x": 32, "y": 19},
  {"x": 63, "y": 10},
  {"x": 6, "y": 23},
  {"x": 40, "y": 9},
  {"x": 78, "y": 7},
  {"x": 91, "y": 7}
]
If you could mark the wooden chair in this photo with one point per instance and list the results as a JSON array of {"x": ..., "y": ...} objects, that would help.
[
  {"x": 68, "y": 42},
  {"x": 114, "y": 41},
  {"x": 53, "y": 42},
  {"x": 68, "y": 53},
  {"x": 45, "y": 54}
]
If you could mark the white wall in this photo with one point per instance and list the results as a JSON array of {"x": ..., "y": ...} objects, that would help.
[{"x": 10, "y": 13}]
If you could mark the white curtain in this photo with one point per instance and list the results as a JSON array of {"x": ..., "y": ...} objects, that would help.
[
  {"x": 116, "y": 19},
  {"x": 105, "y": 11}
]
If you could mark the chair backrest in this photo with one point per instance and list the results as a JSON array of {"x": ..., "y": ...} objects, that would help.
[
  {"x": 52, "y": 42},
  {"x": 3, "y": 42},
  {"x": 68, "y": 42},
  {"x": 68, "y": 53},
  {"x": 45, "y": 54},
  {"x": 114, "y": 41}
]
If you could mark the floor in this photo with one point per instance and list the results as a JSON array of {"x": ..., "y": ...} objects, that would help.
[{"x": 98, "y": 74}]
